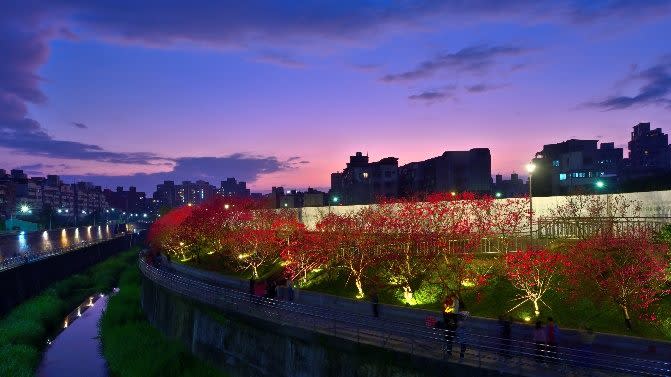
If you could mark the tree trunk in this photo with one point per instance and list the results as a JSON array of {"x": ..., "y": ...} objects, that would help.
[
  {"x": 359, "y": 288},
  {"x": 408, "y": 296},
  {"x": 255, "y": 273},
  {"x": 627, "y": 319},
  {"x": 536, "y": 309}
]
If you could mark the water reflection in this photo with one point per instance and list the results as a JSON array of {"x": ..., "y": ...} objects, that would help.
[
  {"x": 76, "y": 350},
  {"x": 52, "y": 240}
]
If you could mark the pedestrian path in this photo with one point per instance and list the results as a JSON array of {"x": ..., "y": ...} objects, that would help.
[{"x": 482, "y": 351}]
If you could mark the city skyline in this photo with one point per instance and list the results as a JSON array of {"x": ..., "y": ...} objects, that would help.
[{"x": 282, "y": 96}]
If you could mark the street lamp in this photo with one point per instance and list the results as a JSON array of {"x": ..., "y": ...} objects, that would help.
[
  {"x": 498, "y": 194},
  {"x": 25, "y": 209},
  {"x": 530, "y": 169},
  {"x": 600, "y": 184},
  {"x": 335, "y": 199}
]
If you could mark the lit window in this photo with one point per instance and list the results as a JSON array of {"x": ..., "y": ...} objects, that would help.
[
  {"x": 364, "y": 175},
  {"x": 562, "y": 176}
]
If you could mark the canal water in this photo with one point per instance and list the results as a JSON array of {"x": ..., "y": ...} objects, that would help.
[
  {"x": 76, "y": 351},
  {"x": 48, "y": 241}
]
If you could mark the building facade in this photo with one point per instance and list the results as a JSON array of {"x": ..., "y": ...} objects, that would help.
[
  {"x": 576, "y": 166},
  {"x": 453, "y": 171},
  {"x": 363, "y": 182}
]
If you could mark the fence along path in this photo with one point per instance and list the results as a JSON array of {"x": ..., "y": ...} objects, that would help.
[{"x": 505, "y": 355}]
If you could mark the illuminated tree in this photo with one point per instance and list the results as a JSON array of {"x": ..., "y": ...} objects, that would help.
[
  {"x": 459, "y": 223},
  {"x": 254, "y": 240},
  {"x": 166, "y": 233},
  {"x": 354, "y": 243},
  {"x": 627, "y": 270},
  {"x": 306, "y": 252},
  {"x": 533, "y": 273}
]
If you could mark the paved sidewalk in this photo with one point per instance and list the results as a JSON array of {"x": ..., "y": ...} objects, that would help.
[{"x": 624, "y": 346}]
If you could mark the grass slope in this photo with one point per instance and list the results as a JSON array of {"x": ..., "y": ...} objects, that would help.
[
  {"x": 132, "y": 347},
  {"x": 24, "y": 330}
]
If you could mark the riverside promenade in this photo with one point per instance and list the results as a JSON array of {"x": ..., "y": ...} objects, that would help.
[{"x": 403, "y": 330}]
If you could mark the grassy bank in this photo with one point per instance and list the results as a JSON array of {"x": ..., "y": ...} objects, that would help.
[
  {"x": 23, "y": 331},
  {"x": 132, "y": 347},
  {"x": 497, "y": 298}
]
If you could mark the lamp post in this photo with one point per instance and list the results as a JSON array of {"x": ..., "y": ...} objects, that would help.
[{"x": 530, "y": 169}]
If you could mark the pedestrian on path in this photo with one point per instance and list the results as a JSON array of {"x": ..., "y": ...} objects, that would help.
[
  {"x": 551, "y": 339},
  {"x": 462, "y": 334},
  {"x": 376, "y": 301},
  {"x": 505, "y": 333},
  {"x": 290, "y": 290},
  {"x": 451, "y": 331},
  {"x": 539, "y": 341}
]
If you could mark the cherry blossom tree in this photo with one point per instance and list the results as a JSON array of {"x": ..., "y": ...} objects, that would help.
[
  {"x": 533, "y": 273},
  {"x": 166, "y": 233},
  {"x": 627, "y": 269}
]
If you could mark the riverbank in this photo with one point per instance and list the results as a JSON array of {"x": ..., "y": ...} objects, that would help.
[
  {"x": 132, "y": 347},
  {"x": 24, "y": 331}
]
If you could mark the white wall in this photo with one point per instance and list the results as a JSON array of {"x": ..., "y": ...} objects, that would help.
[{"x": 654, "y": 204}]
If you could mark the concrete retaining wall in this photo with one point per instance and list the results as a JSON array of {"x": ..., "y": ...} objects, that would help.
[
  {"x": 247, "y": 347},
  {"x": 20, "y": 283}
]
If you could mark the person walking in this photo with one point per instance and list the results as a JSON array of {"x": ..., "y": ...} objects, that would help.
[
  {"x": 539, "y": 341},
  {"x": 450, "y": 333},
  {"x": 462, "y": 335},
  {"x": 376, "y": 301},
  {"x": 551, "y": 339},
  {"x": 505, "y": 332},
  {"x": 290, "y": 290}
]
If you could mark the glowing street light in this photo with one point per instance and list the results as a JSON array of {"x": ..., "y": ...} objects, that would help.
[
  {"x": 530, "y": 169},
  {"x": 25, "y": 209},
  {"x": 498, "y": 194},
  {"x": 335, "y": 199},
  {"x": 600, "y": 184}
]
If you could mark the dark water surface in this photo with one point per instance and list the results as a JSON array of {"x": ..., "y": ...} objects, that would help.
[{"x": 77, "y": 350}]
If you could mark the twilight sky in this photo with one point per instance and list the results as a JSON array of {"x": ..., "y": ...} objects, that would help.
[{"x": 282, "y": 92}]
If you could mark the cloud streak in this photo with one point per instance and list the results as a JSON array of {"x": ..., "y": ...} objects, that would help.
[
  {"x": 242, "y": 166},
  {"x": 473, "y": 59},
  {"x": 655, "y": 89},
  {"x": 80, "y": 125}
]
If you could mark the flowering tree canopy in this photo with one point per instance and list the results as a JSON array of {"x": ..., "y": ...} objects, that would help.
[
  {"x": 533, "y": 273},
  {"x": 626, "y": 269}
]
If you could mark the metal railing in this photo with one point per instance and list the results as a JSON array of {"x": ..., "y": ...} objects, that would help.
[
  {"x": 35, "y": 256},
  {"x": 483, "y": 351},
  {"x": 582, "y": 227}
]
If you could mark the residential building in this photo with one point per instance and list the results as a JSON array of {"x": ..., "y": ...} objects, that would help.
[
  {"x": 576, "y": 165},
  {"x": 314, "y": 198},
  {"x": 166, "y": 195},
  {"x": 363, "y": 182},
  {"x": 129, "y": 201},
  {"x": 453, "y": 171},
  {"x": 649, "y": 151},
  {"x": 511, "y": 188},
  {"x": 231, "y": 187}
]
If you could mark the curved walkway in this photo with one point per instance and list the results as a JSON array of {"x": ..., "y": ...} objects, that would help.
[{"x": 510, "y": 356}]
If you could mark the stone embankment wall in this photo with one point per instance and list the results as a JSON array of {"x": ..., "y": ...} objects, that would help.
[
  {"x": 22, "y": 282},
  {"x": 247, "y": 347}
]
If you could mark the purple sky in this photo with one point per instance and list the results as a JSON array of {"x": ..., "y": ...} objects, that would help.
[{"x": 136, "y": 92}]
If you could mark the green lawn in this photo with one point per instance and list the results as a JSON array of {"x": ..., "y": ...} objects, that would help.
[
  {"x": 24, "y": 331},
  {"x": 496, "y": 299},
  {"x": 490, "y": 301},
  {"x": 133, "y": 348}
]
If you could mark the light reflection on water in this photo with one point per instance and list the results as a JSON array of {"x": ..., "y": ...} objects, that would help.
[
  {"x": 76, "y": 350},
  {"x": 51, "y": 240}
]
